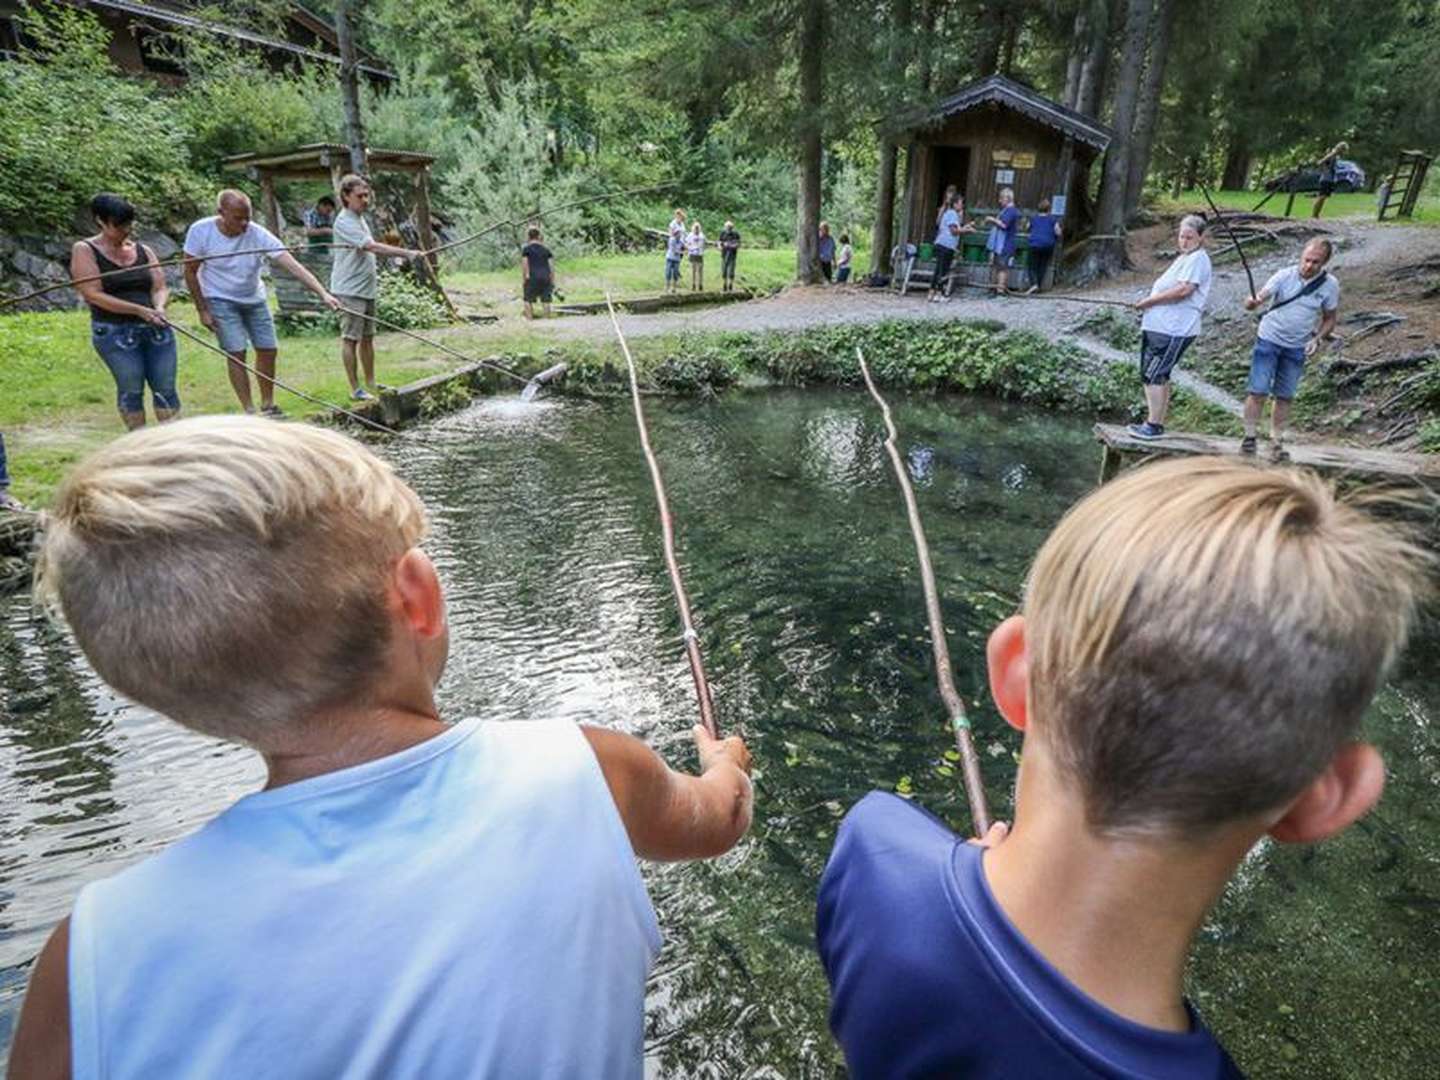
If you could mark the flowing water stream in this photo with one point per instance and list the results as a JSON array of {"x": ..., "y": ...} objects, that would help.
[{"x": 1319, "y": 961}]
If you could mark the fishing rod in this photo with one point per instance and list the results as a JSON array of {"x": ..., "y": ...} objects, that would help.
[
  {"x": 1239, "y": 249},
  {"x": 198, "y": 340},
  {"x": 435, "y": 344},
  {"x": 539, "y": 213},
  {"x": 959, "y": 721},
  {"x": 667, "y": 528}
]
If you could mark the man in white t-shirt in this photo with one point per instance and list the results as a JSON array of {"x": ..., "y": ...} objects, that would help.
[
  {"x": 1300, "y": 296},
  {"x": 1171, "y": 322},
  {"x": 222, "y": 271},
  {"x": 354, "y": 281}
]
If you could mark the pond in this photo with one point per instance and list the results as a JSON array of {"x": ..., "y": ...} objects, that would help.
[{"x": 1319, "y": 961}]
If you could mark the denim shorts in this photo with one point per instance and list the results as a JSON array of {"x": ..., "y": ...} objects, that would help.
[
  {"x": 1275, "y": 370},
  {"x": 1159, "y": 353},
  {"x": 672, "y": 269},
  {"x": 237, "y": 323},
  {"x": 136, "y": 354}
]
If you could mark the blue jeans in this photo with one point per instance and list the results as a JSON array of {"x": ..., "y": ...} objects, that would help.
[
  {"x": 672, "y": 271},
  {"x": 4, "y": 476},
  {"x": 237, "y": 324},
  {"x": 136, "y": 354},
  {"x": 1275, "y": 370}
]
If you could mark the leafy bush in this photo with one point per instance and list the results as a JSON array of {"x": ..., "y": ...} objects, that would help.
[
  {"x": 402, "y": 301},
  {"x": 72, "y": 128}
]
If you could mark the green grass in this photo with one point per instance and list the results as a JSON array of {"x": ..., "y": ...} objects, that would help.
[
  {"x": 587, "y": 277},
  {"x": 1355, "y": 204}
]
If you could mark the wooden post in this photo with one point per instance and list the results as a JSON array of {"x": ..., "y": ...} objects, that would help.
[
  {"x": 272, "y": 207},
  {"x": 1290, "y": 202},
  {"x": 422, "y": 215},
  {"x": 1110, "y": 462}
]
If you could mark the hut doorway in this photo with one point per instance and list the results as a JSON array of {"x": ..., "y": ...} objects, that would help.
[{"x": 951, "y": 165}]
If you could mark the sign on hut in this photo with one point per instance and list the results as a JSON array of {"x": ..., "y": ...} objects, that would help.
[{"x": 989, "y": 135}]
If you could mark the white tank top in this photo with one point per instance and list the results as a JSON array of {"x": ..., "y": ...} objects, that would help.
[{"x": 469, "y": 907}]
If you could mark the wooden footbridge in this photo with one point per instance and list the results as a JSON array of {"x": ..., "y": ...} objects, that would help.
[{"x": 1120, "y": 448}]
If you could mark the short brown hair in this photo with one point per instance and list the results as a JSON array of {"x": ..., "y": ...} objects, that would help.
[
  {"x": 230, "y": 572},
  {"x": 350, "y": 181},
  {"x": 1204, "y": 634}
]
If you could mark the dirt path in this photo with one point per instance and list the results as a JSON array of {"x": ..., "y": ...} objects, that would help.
[{"x": 1361, "y": 245}]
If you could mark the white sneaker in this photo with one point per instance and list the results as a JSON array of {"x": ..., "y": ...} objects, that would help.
[{"x": 361, "y": 394}]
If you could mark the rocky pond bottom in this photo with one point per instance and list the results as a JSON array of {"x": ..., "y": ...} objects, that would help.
[{"x": 1319, "y": 962}]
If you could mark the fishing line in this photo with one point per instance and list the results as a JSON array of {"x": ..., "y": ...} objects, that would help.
[{"x": 959, "y": 721}]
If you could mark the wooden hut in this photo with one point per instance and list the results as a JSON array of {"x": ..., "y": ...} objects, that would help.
[{"x": 991, "y": 134}]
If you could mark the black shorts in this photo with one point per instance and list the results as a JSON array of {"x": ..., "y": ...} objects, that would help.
[
  {"x": 539, "y": 289},
  {"x": 1159, "y": 353}
]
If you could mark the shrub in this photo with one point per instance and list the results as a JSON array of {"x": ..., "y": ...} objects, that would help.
[{"x": 402, "y": 301}]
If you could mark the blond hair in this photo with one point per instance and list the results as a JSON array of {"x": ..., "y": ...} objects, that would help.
[
  {"x": 1203, "y": 635},
  {"x": 230, "y": 572}
]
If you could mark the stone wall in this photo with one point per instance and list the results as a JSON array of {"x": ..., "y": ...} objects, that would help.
[{"x": 28, "y": 263}]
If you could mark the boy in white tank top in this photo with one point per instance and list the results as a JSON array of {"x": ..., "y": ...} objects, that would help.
[{"x": 405, "y": 897}]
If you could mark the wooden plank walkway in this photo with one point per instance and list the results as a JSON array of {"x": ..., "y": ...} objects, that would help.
[{"x": 1119, "y": 445}]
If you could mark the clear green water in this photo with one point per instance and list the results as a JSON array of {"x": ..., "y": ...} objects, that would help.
[{"x": 1320, "y": 962}]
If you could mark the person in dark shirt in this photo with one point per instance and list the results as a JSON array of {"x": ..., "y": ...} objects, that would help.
[
  {"x": 729, "y": 249},
  {"x": 1004, "y": 227},
  {"x": 1179, "y": 702},
  {"x": 536, "y": 274},
  {"x": 1328, "y": 164},
  {"x": 1045, "y": 233},
  {"x": 825, "y": 252}
]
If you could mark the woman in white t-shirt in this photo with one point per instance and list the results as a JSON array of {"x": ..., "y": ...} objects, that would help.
[
  {"x": 1171, "y": 322},
  {"x": 695, "y": 248}
]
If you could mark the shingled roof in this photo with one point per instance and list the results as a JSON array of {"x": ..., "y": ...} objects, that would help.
[{"x": 998, "y": 90}]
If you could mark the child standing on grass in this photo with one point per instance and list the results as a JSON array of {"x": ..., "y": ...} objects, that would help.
[
  {"x": 729, "y": 250},
  {"x": 695, "y": 248},
  {"x": 1198, "y": 644},
  {"x": 537, "y": 274},
  {"x": 842, "y": 266},
  {"x": 405, "y": 896}
]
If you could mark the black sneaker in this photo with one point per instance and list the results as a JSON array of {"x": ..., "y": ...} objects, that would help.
[
  {"x": 1247, "y": 445},
  {"x": 1147, "y": 430}
]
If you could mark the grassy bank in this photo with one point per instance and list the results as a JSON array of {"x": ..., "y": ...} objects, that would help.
[
  {"x": 57, "y": 399},
  {"x": 588, "y": 277}
]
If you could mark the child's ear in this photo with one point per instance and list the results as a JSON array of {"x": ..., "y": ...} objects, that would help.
[
  {"x": 1009, "y": 665},
  {"x": 1350, "y": 785},
  {"x": 417, "y": 588}
]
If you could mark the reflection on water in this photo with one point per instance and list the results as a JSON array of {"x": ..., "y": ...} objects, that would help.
[{"x": 797, "y": 555}]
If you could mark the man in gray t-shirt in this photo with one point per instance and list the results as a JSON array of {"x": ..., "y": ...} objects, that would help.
[
  {"x": 353, "y": 281},
  {"x": 1300, "y": 297}
]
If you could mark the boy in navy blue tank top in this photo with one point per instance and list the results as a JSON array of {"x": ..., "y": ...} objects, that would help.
[{"x": 1198, "y": 643}]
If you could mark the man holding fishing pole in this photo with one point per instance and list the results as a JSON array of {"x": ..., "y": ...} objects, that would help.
[
  {"x": 1175, "y": 713},
  {"x": 1300, "y": 297},
  {"x": 223, "y": 255}
]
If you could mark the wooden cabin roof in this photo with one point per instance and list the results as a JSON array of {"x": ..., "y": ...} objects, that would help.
[
  {"x": 998, "y": 90},
  {"x": 316, "y": 158}
]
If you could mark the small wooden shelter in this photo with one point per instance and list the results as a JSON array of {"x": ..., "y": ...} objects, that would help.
[
  {"x": 330, "y": 161},
  {"x": 991, "y": 134}
]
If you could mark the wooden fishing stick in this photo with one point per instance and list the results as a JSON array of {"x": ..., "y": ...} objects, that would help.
[
  {"x": 198, "y": 340},
  {"x": 667, "y": 528},
  {"x": 959, "y": 721},
  {"x": 1239, "y": 249}
]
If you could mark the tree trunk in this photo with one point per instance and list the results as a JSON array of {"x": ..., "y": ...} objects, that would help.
[
  {"x": 350, "y": 87},
  {"x": 1007, "y": 50},
  {"x": 986, "y": 59},
  {"x": 1148, "y": 108},
  {"x": 807, "y": 215},
  {"x": 1091, "y": 90},
  {"x": 1108, "y": 256},
  {"x": 1079, "y": 50},
  {"x": 1192, "y": 172},
  {"x": 1237, "y": 163},
  {"x": 882, "y": 233}
]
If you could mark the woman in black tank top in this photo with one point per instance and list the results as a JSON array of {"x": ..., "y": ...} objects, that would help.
[{"x": 127, "y": 297}]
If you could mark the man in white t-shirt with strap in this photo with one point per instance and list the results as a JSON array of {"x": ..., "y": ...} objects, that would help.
[
  {"x": 1171, "y": 322},
  {"x": 1300, "y": 296},
  {"x": 223, "y": 255},
  {"x": 354, "y": 282}
]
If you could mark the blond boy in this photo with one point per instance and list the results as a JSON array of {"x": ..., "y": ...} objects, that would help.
[
  {"x": 405, "y": 897},
  {"x": 1177, "y": 706}
]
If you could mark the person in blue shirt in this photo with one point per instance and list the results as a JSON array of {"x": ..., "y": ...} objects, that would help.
[
  {"x": 406, "y": 896},
  {"x": 1178, "y": 703},
  {"x": 1045, "y": 232},
  {"x": 1004, "y": 227},
  {"x": 825, "y": 252}
]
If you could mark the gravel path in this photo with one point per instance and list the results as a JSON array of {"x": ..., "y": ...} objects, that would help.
[{"x": 800, "y": 307}]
